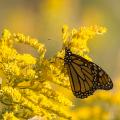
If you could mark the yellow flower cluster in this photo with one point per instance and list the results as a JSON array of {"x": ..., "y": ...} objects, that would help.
[
  {"x": 9, "y": 116},
  {"x": 30, "y": 86},
  {"x": 26, "y": 59},
  {"x": 32, "y": 42},
  {"x": 26, "y": 82},
  {"x": 77, "y": 39}
]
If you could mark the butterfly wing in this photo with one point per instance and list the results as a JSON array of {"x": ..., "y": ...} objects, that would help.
[
  {"x": 103, "y": 80},
  {"x": 86, "y": 77}
]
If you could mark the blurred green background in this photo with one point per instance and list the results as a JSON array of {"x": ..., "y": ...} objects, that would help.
[{"x": 43, "y": 19}]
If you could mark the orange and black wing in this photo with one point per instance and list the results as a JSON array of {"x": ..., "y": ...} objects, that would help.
[{"x": 86, "y": 77}]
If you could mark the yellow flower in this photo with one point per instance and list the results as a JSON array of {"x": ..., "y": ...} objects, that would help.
[
  {"x": 12, "y": 68},
  {"x": 116, "y": 98},
  {"x": 96, "y": 111},
  {"x": 32, "y": 42},
  {"x": 9, "y": 116},
  {"x": 77, "y": 39},
  {"x": 6, "y": 53},
  {"x": 6, "y": 34},
  {"x": 85, "y": 113},
  {"x": 13, "y": 93},
  {"x": 27, "y": 59},
  {"x": 30, "y": 73},
  {"x": 104, "y": 95}
]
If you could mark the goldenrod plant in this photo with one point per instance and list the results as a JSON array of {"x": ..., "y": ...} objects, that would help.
[{"x": 30, "y": 84}]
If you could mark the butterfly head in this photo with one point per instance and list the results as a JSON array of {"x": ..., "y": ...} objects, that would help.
[
  {"x": 68, "y": 54},
  {"x": 67, "y": 51}
]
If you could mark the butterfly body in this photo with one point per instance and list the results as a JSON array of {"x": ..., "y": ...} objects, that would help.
[{"x": 85, "y": 76}]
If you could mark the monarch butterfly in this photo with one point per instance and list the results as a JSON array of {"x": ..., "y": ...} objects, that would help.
[{"x": 85, "y": 76}]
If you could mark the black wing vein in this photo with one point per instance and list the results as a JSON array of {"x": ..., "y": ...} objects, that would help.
[
  {"x": 80, "y": 77},
  {"x": 71, "y": 76}
]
